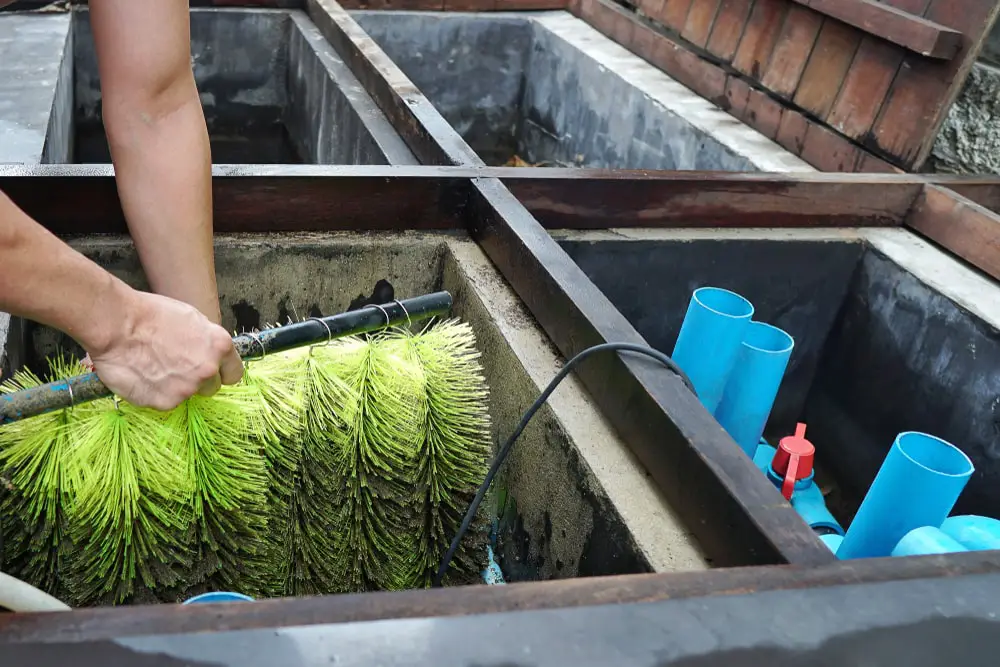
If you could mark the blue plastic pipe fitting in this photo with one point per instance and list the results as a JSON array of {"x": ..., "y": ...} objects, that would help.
[
  {"x": 753, "y": 384},
  {"x": 811, "y": 506},
  {"x": 975, "y": 533},
  {"x": 710, "y": 340},
  {"x": 917, "y": 485},
  {"x": 925, "y": 541},
  {"x": 219, "y": 596}
]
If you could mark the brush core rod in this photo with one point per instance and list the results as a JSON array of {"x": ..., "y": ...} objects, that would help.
[{"x": 72, "y": 391}]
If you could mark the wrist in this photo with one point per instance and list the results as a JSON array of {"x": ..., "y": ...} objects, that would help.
[{"x": 112, "y": 316}]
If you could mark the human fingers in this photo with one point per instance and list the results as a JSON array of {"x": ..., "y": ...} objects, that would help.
[
  {"x": 231, "y": 368},
  {"x": 210, "y": 386}
]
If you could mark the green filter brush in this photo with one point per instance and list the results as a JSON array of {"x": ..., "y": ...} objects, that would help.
[
  {"x": 344, "y": 466},
  {"x": 227, "y": 477},
  {"x": 35, "y": 460},
  {"x": 452, "y": 457},
  {"x": 130, "y": 504},
  {"x": 303, "y": 482},
  {"x": 375, "y": 466}
]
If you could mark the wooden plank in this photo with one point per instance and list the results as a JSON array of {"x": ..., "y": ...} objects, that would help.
[
  {"x": 826, "y": 68},
  {"x": 795, "y": 43},
  {"x": 792, "y": 132},
  {"x": 169, "y": 619},
  {"x": 759, "y": 37},
  {"x": 823, "y": 146},
  {"x": 728, "y": 29},
  {"x": 960, "y": 225},
  {"x": 985, "y": 191},
  {"x": 900, "y": 27},
  {"x": 923, "y": 92},
  {"x": 737, "y": 96},
  {"x": 700, "y": 20},
  {"x": 673, "y": 13},
  {"x": 682, "y": 64},
  {"x": 763, "y": 113},
  {"x": 692, "y": 199},
  {"x": 865, "y": 86}
]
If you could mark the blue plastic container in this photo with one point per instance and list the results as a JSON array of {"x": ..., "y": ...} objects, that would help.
[
  {"x": 221, "y": 596},
  {"x": 753, "y": 384},
  {"x": 975, "y": 533},
  {"x": 917, "y": 485},
  {"x": 710, "y": 340}
]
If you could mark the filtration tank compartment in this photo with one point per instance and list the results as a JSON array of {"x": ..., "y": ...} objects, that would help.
[
  {"x": 272, "y": 89},
  {"x": 890, "y": 336},
  {"x": 546, "y": 89},
  {"x": 571, "y": 500}
]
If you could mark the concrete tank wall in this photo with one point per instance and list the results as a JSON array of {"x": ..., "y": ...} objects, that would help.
[{"x": 552, "y": 90}]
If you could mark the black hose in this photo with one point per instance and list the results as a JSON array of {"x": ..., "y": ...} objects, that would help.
[{"x": 539, "y": 402}]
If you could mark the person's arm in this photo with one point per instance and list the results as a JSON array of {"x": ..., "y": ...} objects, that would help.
[
  {"x": 159, "y": 143},
  {"x": 149, "y": 349}
]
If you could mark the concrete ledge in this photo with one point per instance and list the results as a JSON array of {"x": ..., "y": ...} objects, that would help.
[{"x": 33, "y": 50}]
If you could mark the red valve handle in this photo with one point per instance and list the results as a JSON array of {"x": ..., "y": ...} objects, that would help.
[{"x": 788, "y": 486}]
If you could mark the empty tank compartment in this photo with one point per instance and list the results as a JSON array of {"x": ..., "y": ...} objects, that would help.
[
  {"x": 890, "y": 335},
  {"x": 572, "y": 501},
  {"x": 549, "y": 90},
  {"x": 273, "y": 91}
]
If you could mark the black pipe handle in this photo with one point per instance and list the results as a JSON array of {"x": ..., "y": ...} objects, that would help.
[{"x": 79, "y": 389}]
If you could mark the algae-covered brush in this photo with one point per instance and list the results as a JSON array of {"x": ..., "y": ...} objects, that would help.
[
  {"x": 452, "y": 457},
  {"x": 227, "y": 478},
  {"x": 306, "y": 526},
  {"x": 375, "y": 464},
  {"x": 131, "y": 507},
  {"x": 35, "y": 468}
]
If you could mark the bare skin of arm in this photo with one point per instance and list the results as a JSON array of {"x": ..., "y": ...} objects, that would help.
[
  {"x": 150, "y": 349},
  {"x": 159, "y": 143}
]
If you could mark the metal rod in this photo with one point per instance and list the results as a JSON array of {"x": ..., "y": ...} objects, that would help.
[{"x": 63, "y": 394}]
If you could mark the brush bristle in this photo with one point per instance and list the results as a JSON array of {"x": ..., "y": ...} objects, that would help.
[
  {"x": 130, "y": 509},
  {"x": 342, "y": 467}
]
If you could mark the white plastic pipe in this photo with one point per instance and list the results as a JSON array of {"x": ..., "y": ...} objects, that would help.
[{"x": 18, "y": 596}]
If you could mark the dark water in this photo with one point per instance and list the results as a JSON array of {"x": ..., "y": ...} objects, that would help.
[{"x": 260, "y": 144}]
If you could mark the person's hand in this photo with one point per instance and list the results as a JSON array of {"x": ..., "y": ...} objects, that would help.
[{"x": 163, "y": 352}]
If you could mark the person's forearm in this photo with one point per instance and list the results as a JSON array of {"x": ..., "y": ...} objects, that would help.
[
  {"x": 43, "y": 279},
  {"x": 163, "y": 169},
  {"x": 159, "y": 143}
]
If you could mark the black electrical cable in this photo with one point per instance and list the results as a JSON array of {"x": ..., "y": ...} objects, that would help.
[{"x": 539, "y": 402}]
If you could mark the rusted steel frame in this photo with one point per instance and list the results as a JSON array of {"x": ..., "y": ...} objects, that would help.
[
  {"x": 304, "y": 197},
  {"x": 737, "y": 516},
  {"x": 960, "y": 225},
  {"x": 381, "y": 199},
  {"x": 109, "y": 623}
]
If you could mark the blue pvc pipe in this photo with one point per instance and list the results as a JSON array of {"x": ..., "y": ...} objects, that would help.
[
  {"x": 220, "y": 596},
  {"x": 753, "y": 384},
  {"x": 832, "y": 542},
  {"x": 811, "y": 506},
  {"x": 917, "y": 485},
  {"x": 925, "y": 541},
  {"x": 763, "y": 456},
  {"x": 710, "y": 340},
  {"x": 975, "y": 533}
]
